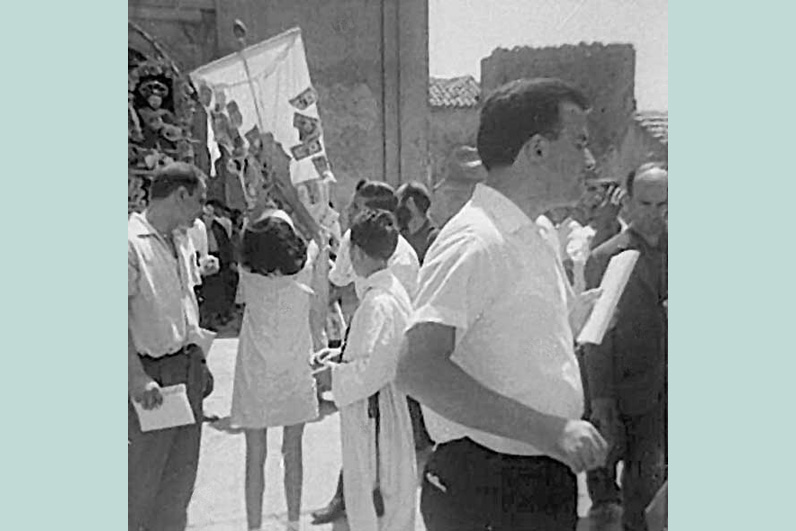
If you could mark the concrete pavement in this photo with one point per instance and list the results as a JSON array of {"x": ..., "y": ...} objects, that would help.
[{"x": 218, "y": 501}]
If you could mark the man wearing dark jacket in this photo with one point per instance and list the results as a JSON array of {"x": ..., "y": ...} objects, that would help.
[
  {"x": 217, "y": 292},
  {"x": 627, "y": 372}
]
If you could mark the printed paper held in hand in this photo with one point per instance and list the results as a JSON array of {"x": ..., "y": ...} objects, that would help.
[
  {"x": 174, "y": 411},
  {"x": 613, "y": 284}
]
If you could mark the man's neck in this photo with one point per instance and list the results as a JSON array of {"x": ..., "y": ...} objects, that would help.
[
  {"x": 375, "y": 268},
  {"x": 503, "y": 180},
  {"x": 160, "y": 219},
  {"x": 651, "y": 239}
]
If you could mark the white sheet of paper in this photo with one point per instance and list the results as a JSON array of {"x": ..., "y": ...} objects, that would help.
[
  {"x": 174, "y": 411},
  {"x": 613, "y": 284}
]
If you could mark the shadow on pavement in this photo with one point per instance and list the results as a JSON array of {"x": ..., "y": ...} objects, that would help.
[{"x": 225, "y": 425}]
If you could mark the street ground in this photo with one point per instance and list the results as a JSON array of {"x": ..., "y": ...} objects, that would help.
[{"x": 218, "y": 501}]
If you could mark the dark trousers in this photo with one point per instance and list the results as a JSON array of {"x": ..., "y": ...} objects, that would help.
[
  {"x": 640, "y": 446},
  {"x": 162, "y": 464},
  {"x": 467, "y": 487},
  {"x": 422, "y": 438}
]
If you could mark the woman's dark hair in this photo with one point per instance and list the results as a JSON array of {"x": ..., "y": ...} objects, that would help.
[
  {"x": 517, "y": 111},
  {"x": 271, "y": 246},
  {"x": 378, "y": 195},
  {"x": 376, "y": 233}
]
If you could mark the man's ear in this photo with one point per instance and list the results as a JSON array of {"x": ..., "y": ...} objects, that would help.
[
  {"x": 536, "y": 149},
  {"x": 181, "y": 194}
]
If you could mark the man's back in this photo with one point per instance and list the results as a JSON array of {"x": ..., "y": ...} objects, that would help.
[{"x": 492, "y": 276}]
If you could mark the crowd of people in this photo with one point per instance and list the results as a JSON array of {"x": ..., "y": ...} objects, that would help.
[{"x": 459, "y": 350}]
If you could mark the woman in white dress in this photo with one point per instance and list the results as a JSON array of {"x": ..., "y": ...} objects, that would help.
[{"x": 273, "y": 383}]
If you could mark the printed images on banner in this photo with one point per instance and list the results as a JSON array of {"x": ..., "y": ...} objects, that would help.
[
  {"x": 321, "y": 165},
  {"x": 308, "y": 126},
  {"x": 307, "y": 149},
  {"x": 307, "y": 98}
]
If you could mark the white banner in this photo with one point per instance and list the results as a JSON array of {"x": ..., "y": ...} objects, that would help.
[{"x": 266, "y": 88}]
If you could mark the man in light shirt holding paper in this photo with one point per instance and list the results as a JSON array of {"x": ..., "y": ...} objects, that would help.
[
  {"x": 162, "y": 348},
  {"x": 490, "y": 355},
  {"x": 626, "y": 372}
]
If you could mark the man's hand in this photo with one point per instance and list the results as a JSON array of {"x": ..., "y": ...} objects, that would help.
[
  {"x": 146, "y": 391},
  {"x": 580, "y": 446},
  {"x": 584, "y": 304},
  {"x": 607, "y": 212},
  {"x": 324, "y": 357},
  {"x": 605, "y": 417}
]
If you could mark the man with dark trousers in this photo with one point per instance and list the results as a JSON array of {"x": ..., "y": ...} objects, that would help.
[
  {"x": 627, "y": 372},
  {"x": 163, "y": 338}
]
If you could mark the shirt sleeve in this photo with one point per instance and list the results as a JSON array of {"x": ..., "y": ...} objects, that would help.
[
  {"x": 406, "y": 266},
  {"x": 342, "y": 273},
  {"x": 372, "y": 349},
  {"x": 457, "y": 282},
  {"x": 192, "y": 264},
  {"x": 132, "y": 271}
]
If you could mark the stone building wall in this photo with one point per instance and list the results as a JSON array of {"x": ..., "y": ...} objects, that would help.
[{"x": 640, "y": 145}]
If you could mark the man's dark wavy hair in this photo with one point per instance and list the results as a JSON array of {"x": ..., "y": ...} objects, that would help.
[
  {"x": 517, "y": 111},
  {"x": 271, "y": 246},
  {"x": 376, "y": 233}
]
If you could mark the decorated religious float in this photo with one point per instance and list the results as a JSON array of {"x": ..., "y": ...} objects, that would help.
[{"x": 160, "y": 106}]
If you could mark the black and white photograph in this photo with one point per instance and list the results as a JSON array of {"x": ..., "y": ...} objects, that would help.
[{"x": 397, "y": 265}]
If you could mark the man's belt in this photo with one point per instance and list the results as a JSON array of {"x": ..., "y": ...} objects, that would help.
[{"x": 187, "y": 349}]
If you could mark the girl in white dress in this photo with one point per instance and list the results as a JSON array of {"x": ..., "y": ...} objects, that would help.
[{"x": 273, "y": 383}]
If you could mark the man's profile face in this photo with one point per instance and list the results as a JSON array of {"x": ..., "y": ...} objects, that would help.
[
  {"x": 191, "y": 204},
  {"x": 208, "y": 213},
  {"x": 569, "y": 156},
  {"x": 357, "y": 258},
  {"x": 649, "y": 204},
  {"x": 356, "y": 206}
]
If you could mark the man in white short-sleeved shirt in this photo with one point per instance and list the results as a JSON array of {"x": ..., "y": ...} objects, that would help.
[{"x": 490, "y": 353}]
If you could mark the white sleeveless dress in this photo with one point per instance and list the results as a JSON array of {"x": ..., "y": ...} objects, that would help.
[{"x": 273, "y": 383}]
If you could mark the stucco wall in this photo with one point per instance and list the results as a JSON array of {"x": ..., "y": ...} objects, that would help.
[
  {"x": 448, "y": 129},
  {"x": 185, "y": 28}
]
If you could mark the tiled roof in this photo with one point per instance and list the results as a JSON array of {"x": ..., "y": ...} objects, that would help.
[
  {"x": 454, "y": 92},
  {"x": 656, "y": 123}
]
